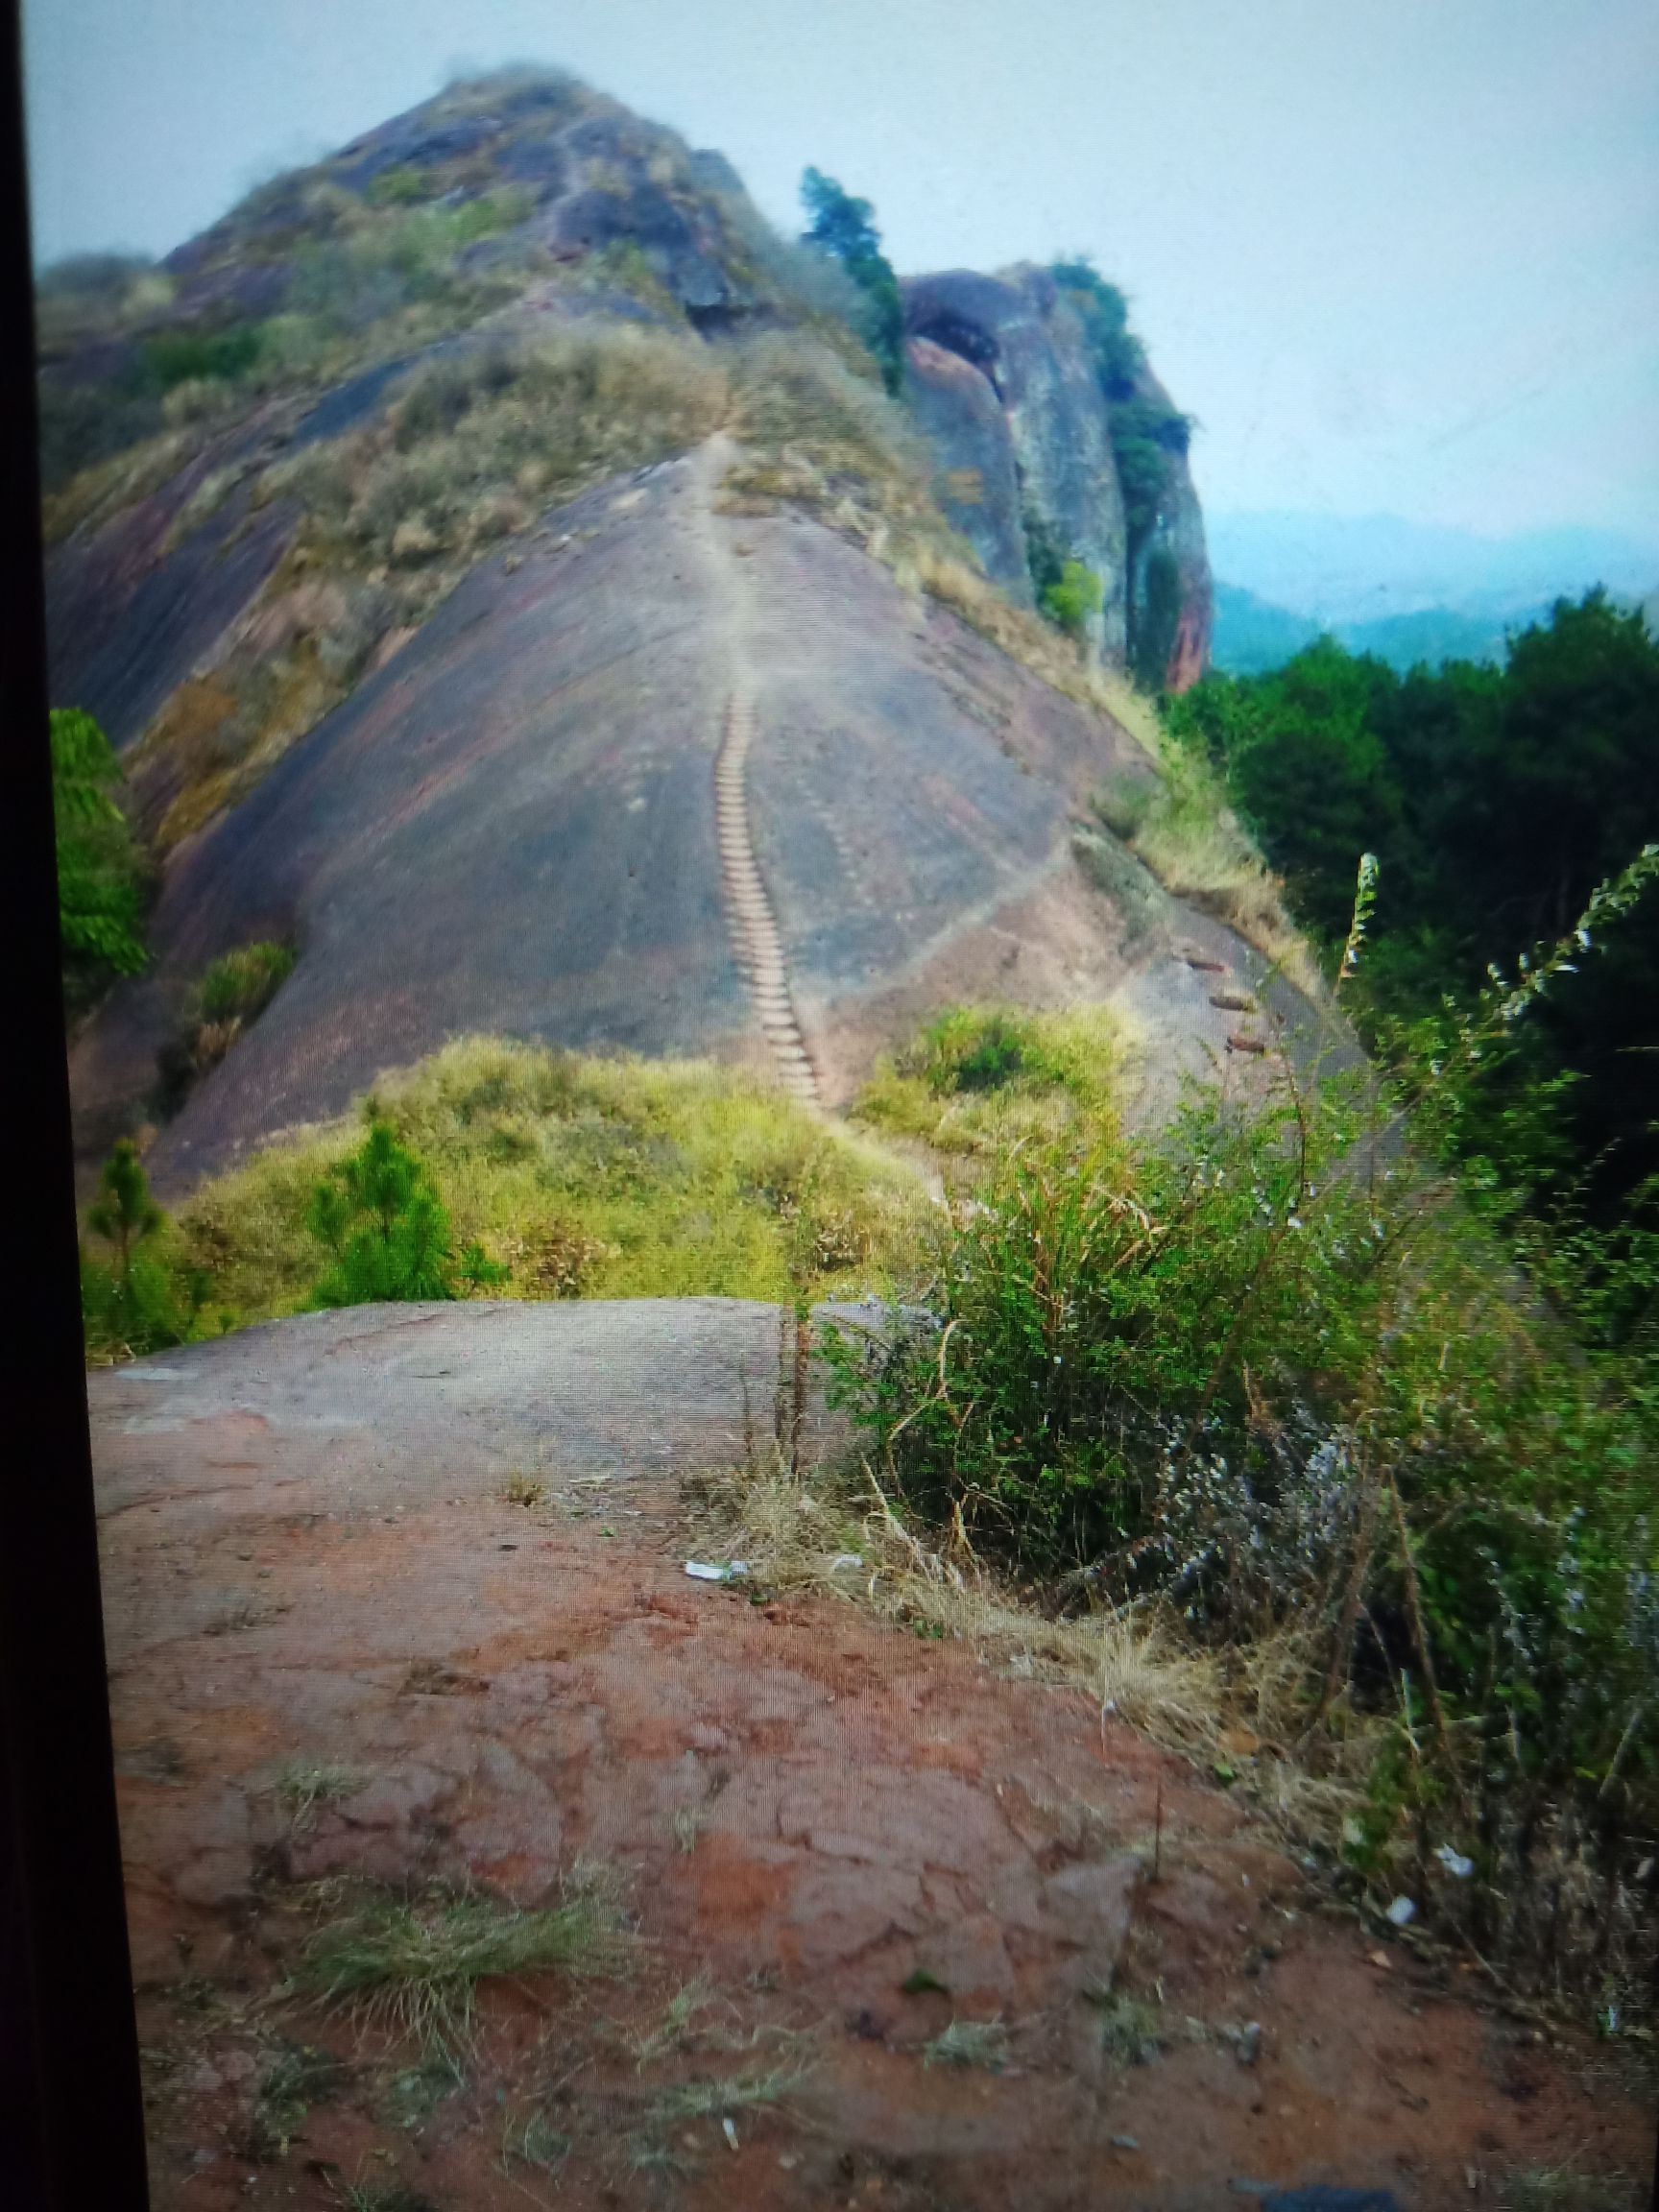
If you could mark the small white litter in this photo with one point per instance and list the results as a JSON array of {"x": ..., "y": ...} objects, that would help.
[
  {"x": 1402, "y": 1911},
  {"x": 701, "y": 1571},
  {"x": 1454, "y": 1862},
  {"x": 730, "y": 2127},
  {"x": 845, "y": 1559}
]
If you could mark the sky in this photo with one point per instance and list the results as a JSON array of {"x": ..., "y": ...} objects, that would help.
[{"x": 1398, "y": 256}]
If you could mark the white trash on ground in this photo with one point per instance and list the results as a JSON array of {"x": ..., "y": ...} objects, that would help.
[{"x": 701, "y": 1570}]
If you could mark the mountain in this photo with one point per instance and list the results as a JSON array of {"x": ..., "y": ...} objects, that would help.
[
  {"x": 1337, "y": 569},
  {"x": 1252, "y": 636},
  {"x": 511, "y": 589}
]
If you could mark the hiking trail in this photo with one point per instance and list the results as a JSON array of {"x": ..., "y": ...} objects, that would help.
[{"x": 755, "y": 940}]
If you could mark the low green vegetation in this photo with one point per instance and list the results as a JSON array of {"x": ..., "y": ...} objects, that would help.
[
  {"x": 977, "y": 1081},
  {"x": 415, "y": 1965},
  {"x": 140, "y": 1297},
  {"x": 386, "y": 1231},
  {"x": 583, "y": 1178},
  {"x": 1149, "y": 440},
  {"x": 103, "y": 874},
  {"x": 233, "y": 991},
  {"x": 1271, "y": 1374}
]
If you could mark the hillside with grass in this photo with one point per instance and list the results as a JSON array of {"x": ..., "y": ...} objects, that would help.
[
  {"x": 653, "y": 789},
  {"x": 417, "y": 533}
]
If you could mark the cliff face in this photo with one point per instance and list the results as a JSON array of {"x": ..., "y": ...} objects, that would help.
[{"x": 1007, "y": 390}]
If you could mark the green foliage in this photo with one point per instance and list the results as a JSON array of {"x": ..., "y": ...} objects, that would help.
[
  {"x": 196, "y": 356},
  {"x": 1250, "y": 1374},
  {"x": 1495, "y": 801},
  {"x": 1266, "y": 1370},
  {"x": 239, "y": 985},
  {"x": 979, "y": 1080},
  {"x": 1156, "y": 617},
  {"x": 390, "y": 1236},
  {"x": 1078, "y": 595},
  {"x": 102, "y": 876},
  {"x": 1119, "y": 357},
  {"x": 844, "y": 227},
  {"x": 592, "y": 1178},
  {"x": 401, "y": 187},
  {"x": 130, "y": 1304},
  {"x": 1045, "y": 555},
  {"x": 1148, "y": 439}
]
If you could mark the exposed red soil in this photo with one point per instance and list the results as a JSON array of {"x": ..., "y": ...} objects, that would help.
[{"x": 806, "y": 1806}]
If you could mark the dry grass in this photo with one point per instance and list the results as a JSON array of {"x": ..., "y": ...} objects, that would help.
[
  {"x": 588, "y": 1178},
  {"x": 795, "y": 1530},
  {"x": 982, "y": 2043},
  {"x": 473, "y": 445},
  {"x": 469, "y": 453},
  {"x": 1237, "y": 1712},
  {"x": 415, "y": 1967}
]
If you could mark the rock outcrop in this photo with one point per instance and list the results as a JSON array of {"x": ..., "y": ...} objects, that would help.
[
  {"x": 458, "y": 747},
  {"x": 1012, "y": 401}
]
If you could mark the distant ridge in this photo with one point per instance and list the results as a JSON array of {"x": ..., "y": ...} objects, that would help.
[{"x": 1335, "y": 570}]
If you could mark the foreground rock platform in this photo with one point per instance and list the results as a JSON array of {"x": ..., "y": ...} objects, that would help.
[{"x": 339, "y": 1652}]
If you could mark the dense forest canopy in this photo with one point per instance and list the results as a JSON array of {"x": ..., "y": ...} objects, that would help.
[{"x": 1496, "y": 800}]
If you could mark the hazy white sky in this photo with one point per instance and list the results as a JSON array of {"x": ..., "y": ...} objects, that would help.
[{"x": 1397, "y": 255}]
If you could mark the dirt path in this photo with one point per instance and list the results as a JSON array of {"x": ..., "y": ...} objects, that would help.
[
  {"x": 755, "y": 940},
  {"x": 340, "y": 1651}
]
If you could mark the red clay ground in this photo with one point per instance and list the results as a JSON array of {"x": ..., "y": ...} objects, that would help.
[{"x": 803, "y": 1806}]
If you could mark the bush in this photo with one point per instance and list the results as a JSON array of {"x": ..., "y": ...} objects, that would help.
[
  {"x": 130, "y": 1304},
  {"x": 380, "y": 1217},
  {"x": 238, "y": 986},
  {"x": 1268, "y": 1372},
  {"x": 103, "y": 878},
  {"x": 234, "y": 991},
  {"x": 1078, "y": 596},
  {"x": 979, "y": 1081},
  {"x": 197, "y": 356},
  {"x": 844, "y": 228},
  {"x": 1156, "y": 617},
  {"x": 592, "y": 1178}
]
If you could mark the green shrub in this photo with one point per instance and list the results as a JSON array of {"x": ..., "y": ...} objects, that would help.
[
  {"x": 980, "y": 1080},
  {"x": 380, "y": 1217},
  {"x": 199, "y": 356},
  {"x": 238, "y": 986},
  {"x": 1268, "y": 1371},
  {"x": 130, "y": 1304},
  {"x": 399, "y": 188},
  {"x": 592, "y": 1178},
  {"x": 1155, "y": 616},
  {"x": 103, "y": 878},
  {"x": 1078, "y": 595}
]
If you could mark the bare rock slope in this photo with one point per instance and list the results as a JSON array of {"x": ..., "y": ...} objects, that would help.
[{"x": 515, "y": 826}]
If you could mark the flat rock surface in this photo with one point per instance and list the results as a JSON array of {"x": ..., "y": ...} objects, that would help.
[{"x": 312, "y": 1568}]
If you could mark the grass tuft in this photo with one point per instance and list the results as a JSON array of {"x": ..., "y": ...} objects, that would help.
[
  {"x": 300, "y": 1788},
  {"x": 982, "y": 2043},
  {"x": 415, "y": 1967}
]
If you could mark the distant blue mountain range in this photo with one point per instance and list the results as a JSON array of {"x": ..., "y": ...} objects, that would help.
[
  {"x": 1406, "y": 592},
  {"x": 1253, "y": 635}
]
